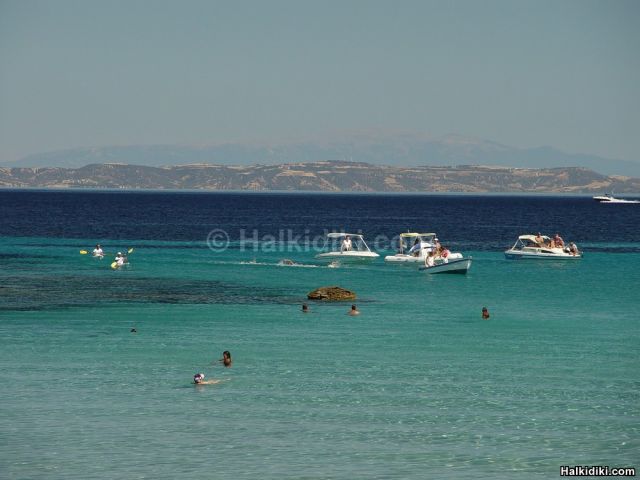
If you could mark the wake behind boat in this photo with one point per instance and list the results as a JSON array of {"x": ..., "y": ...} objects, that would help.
[
  {"x": 346, "y": 247},
  {"x": 609, "y": 198}
]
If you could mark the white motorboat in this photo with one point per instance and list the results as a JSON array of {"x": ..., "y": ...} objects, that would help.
[
  {"x": 441, "y": 265},
  {"x": 528, "y": 247},
  {"x": 415, "y": 247},
  {"x": 346, "y": 247},
  {"x": 609, "y": 198}
]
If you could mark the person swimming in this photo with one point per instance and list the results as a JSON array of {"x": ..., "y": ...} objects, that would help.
[
  {"x": 485, "y": 313},
  {"x": 198, "y": 379},
  {"x": 354, "y": 311},
  {"x": 305, "y": 308}
]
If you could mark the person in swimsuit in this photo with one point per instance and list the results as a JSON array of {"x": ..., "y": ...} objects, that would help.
[{"x": 198, "y": 379}]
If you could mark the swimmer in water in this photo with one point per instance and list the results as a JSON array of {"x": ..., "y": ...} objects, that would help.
[
  {"x": 198, "y": 379},
  {"x": 305, "y": 308},
  {"x": 226, "y": 358},
  {"x": 354, "y": 311},
  {"x": 485, "y": 313}
]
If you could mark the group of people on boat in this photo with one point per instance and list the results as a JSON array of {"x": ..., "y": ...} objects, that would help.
[
  {"x": 437, "y": 252},
  {"x": 556, "y": 242}
]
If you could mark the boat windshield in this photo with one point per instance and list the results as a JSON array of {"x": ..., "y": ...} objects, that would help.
[
  {"x": 409, "y": 240},
  {"x": 345, "y": 242}
]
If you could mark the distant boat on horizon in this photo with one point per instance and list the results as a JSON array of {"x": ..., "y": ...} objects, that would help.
[{"x": 609, "y": 198}]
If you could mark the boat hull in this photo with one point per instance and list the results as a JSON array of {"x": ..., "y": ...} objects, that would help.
[
  {"x": 403, "y": 258},
  {"x": 519, "y": 254},
  {"x": 612, "y": 199},
  {"x": 460, "y": 266},
  {"x": 348, "y": 256}
]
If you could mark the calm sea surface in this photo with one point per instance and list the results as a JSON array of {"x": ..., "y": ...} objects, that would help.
[{"x": 417, "y": 386}]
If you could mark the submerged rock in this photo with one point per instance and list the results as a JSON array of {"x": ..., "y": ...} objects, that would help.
[{"x": 331, "y": 294}]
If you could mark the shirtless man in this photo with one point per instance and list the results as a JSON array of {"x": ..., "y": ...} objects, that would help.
[{"x": 558, "y": 241}]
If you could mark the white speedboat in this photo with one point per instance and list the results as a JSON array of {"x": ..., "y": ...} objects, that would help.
[
  {"x": 609, "y": 198},
  {"x": 527, "y": 247},
  {"x": 346, "y": 247},
  {"x": 458, "y": 265},
  {"x": 414, "y": 248}
]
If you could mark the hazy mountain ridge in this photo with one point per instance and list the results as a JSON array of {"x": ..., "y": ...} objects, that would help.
[
  {"x": 401, "y": 149},
  {"x": 336, "y": 176}
]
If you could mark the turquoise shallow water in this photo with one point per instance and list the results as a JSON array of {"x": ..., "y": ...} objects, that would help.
[{"x": 417, "y": 386}]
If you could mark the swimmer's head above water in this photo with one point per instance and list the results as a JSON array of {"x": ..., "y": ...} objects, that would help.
[{"x": 198, "y": 378}]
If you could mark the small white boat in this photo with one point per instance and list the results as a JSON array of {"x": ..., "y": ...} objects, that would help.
[
  {"x": 527, "y": 247},
  {"x": 458, "y": 265},
  {"x": 415, "y": 247},
  {"x": 609, "y": 198},
  {"x": 346, "y": 247}
]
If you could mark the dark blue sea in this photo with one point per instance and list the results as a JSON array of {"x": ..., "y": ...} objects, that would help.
[{"x": 417, "y": 386}]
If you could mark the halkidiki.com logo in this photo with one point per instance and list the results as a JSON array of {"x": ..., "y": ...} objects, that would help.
[{"x": 287, "y": 240}]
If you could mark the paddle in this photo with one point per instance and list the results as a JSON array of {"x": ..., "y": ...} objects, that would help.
[{"x": 84, "y": 252}]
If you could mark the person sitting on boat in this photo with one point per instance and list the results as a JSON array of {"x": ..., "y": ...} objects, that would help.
[
  {"x": 430, "y": 260},
  {"x": 346, "y": 244},
  {"x": 98, "y": 252},
  {"x": 415, "y": 248},
  {"x": 573, "y": 249},
  {"x": 557, "y": 240},
  {"x": 436, "y": 246},
  {"x": 444, "y": 254}
]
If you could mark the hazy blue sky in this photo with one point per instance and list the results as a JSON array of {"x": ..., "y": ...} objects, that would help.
[{"x": 523, "y": 73}]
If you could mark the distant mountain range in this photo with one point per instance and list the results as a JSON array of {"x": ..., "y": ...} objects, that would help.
[
  {"x": 331, "y": 176},
  {"x": 402, "y": 149}
]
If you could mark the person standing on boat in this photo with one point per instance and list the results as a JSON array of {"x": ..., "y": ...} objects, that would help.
[
  {"x": 539, "y": 240},
  {"x": 415, "y": 248},
  {"x": 346, "y": 244}
]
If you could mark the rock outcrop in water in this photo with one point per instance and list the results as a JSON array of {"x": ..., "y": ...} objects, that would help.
[{"x": 331, "y": 294}]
